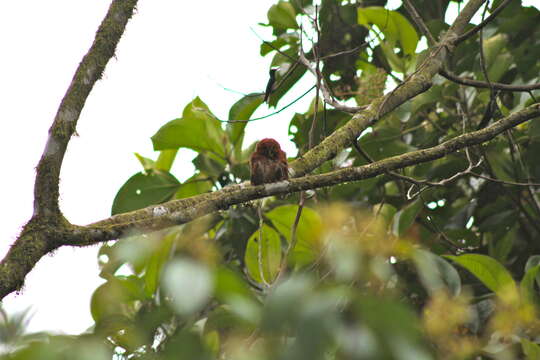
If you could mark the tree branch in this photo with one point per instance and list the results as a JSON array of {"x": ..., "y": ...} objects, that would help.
[
  {"x": 45, "y": 231},
  {"x": 175, "y": 212},
  {"x": 477, "y": 28},
  {"x": 484, "y": 84}
]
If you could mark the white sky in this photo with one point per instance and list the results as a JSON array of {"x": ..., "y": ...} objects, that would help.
[{"x": 171, "y": 52}]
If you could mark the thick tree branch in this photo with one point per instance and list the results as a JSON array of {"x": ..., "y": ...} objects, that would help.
[
  {"x": 175, "y": 212},
  {"x": 46, "y": 230}
]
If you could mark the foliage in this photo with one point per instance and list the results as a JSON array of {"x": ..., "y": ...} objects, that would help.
[{"x": 369, "y": 271}]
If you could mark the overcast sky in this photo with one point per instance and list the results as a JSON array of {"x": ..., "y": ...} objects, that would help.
[{"x": 171, "y": 52}]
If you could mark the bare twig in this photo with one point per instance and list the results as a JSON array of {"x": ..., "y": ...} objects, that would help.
[
  {"x": 478, "y": 27},
  {"x": 419, "y": 22},
  {"x": 482, "y": 84}
]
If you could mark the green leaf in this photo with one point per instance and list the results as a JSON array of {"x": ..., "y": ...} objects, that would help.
[
  {"x": 158, "y": 258},
  {"x": 142, "y": 190},
  {"x": 115, "y": 296},
  {"x": 189, "y": 284},
  {"x": 501, "y": 248},
  {"x": 229, "y": 284},
  {"x": 405, "y": 218},
  {"x": 282, "y": 16},
  {"x": 307, "y": 232},
  {"x": 394, "y": 26},
  {"x": 527, "y": 285},
  {"x": 493, "y": 47},
  {"x": 195, "y": 185},
  {"x": 166, "y": 159},
  {"x": 530, "y": 349},
  {"x": 241, "y": 110},
  {"x": 435, "y": 272},
  {"x": 265, "y": 257},
  {"x": 197, "y": 129},
  {"x": 148, "y": 164},
  {"x": 488, "y": 270},
  {"x": 397, "y": 63}
]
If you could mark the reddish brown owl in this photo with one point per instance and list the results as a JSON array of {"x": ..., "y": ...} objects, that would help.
[{"x": 268, "y": 163}]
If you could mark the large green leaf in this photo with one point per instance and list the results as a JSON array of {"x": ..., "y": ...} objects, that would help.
[
  {"x": 394, "y": 25},
  {"x": 307, "y": 232},
  {"x": 197, "y": 129},
  {"x": 264, "y": 258},
  {"x": 488, "y": 270},
  {"x": 142, "y": 190}
]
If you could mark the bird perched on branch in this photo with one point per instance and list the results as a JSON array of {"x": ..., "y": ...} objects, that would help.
[
  {"x": 268, "y": 163},
  {"x": 270, "y": 85}
]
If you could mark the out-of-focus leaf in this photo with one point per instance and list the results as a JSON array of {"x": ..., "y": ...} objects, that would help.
[
  {"x": 189, "y": 285},
  {"x": 143, "y": 190},
  {"x": 281, "y": 17},
  {"x": 282, "y": 307},
  {"x": 158, "y": 258},
  {"x": 116, "y": 296},
  {"x": 530, "y": 349}
]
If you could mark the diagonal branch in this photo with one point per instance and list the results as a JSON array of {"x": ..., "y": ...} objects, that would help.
[
  {"x": 45, "y": 231},
  {"x": 175, "y": 213}
]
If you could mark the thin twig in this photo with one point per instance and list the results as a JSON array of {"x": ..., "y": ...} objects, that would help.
[
  {"x": 419, "y": 21},
  {"x": 479, "y": 27},
  {"x": 482, "y": 84}
]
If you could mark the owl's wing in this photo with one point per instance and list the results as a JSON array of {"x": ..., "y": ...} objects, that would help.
[{"x": 256, "y": 170}]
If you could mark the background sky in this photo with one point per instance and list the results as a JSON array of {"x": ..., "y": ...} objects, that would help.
[{"x": 171, "y": 52}]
